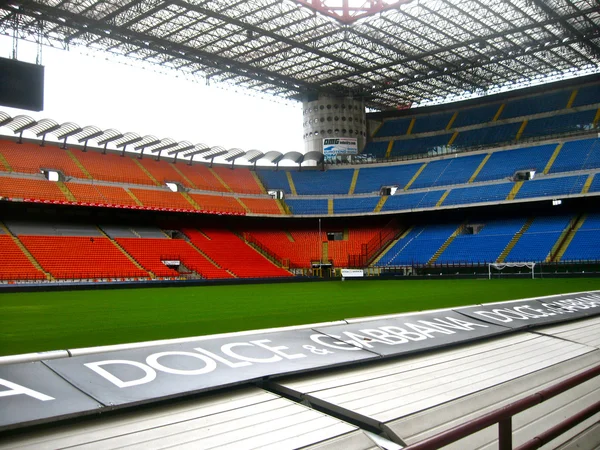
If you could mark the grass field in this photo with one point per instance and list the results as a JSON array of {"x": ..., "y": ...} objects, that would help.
[{"x": 32, "y": 322}]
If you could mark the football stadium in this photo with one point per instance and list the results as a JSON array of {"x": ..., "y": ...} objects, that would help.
[{"x": 425, "y": 274}]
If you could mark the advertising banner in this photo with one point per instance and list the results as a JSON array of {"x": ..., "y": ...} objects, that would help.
[{"x": 340, "y": 146}]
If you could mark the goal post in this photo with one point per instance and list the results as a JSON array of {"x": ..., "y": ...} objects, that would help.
[{"x": 502, "y": 266}]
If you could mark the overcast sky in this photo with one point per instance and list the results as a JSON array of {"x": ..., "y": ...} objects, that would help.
[{"x": 91, "y": 90}]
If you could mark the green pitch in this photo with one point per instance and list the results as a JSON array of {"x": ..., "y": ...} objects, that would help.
[{"x": 33, "y": 322}]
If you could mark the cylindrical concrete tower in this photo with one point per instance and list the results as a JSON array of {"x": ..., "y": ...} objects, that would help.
[{"x": 333, "y": 117}]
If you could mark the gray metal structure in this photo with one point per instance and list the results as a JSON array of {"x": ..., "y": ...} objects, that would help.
[{"x": 390, "y": 57}]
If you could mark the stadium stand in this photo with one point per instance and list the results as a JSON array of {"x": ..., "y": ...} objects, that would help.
[
  {"x": 162, "y": 171},
  {"x": 162, "y": 199},
  {"x": 100, "y": 194},
  {"x": 30, "y": 189},
  {"x": 376, "y": 149},
  {"x": 262, "y": 205},
  {"x": 504, "y": 164},
  {"x": 14, "y": 264},
  {"x": 447, "y": 171},
  {"x": 274, "y": 179},
  {"x": 483, "y": 247},
  {"x": 394, "y": 127},
  {"x": 433, "y": 122},
  {"x": 478, "y": 194},
  {"x": 585, "y": 245},
  {"x": 536, "y": 243},
  {"x": 487, "y": 136},
  {"x": 552, "y": 186},
  {"x": 200, "y": 177},
  {"x": 150, "y": 252},
  {"x": 240, "y": 180},
  {"x": 526, "y": 106},
  {"x": 233, "y": 254},
  {"x": 418, "y": 245},
  {"x": 112, "y": 167},
  {"x": 402, "y": 202},
  {"x": 577, "y": 155},
  {"x": 355, "y": 205},
  {"x": 421, "y": 145},
  {"x": 31, "y": 157},
  {"x": 587, "y": 95},
  {"x": 308, "y": 207},
  {"x": 317, "y": 182},
  {"x": 476, "y": 115},
  {"x": 563, "y": 123},
  {"x": 371, "y": 179},
  {"x": 80, "y": 257},
  {"x": 217, "y": 204}
]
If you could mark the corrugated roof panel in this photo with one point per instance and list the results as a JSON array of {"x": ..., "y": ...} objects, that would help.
[
  {"x": 241, "y": 419},
  {"x": 583, "y": 331},
  {"x": 407, "y": 388},
  {"x": 424, "y": 424}
]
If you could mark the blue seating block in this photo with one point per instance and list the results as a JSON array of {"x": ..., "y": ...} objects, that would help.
[
  {"x": 448, "y": 171},
  {"x": 487, "y": 136},
  {"x": 371, "y": 179},
  {"x": 377, "y": 149},
  {"x": 354, "y": 205},
  {"x": 552, "y": 101},
  {"x": 577, "y": 155},
  {"x": 310, "y": 207},
  {"x": 317, "y": 182},
  {"x": 587, "y": 95},
  {"x": 537, "y": 242},
  {"x": 595, "y": 186},
  {"x": 423, "y": 145},
  {"x": 478, "y": 194},
  {"x": 434, "y": 122},
  {"x": 394, "y": 127},
  {"x": 585, "y": 245},
  {"x": 552, "y": 187},
  {"x": 473, "y": 116},
  {"x": 274, "y": 179},
  {"x": 504, "y": 164},
  {"x": 402, "y": 202},
  {"x": 563, "y": 123}
]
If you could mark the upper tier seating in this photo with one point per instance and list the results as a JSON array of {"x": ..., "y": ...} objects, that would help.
[
  {"x": 113, "y": 167},
  {"x": 355, "y": 205},
  {"x": 421, "y": 145},
  {"x": 474, "y": 116},
  {"x": 595, "y": 186},
  {"x": 484, "y": 247},
  {"x": 478, "y": 194},
  {"x": 394, "y": 127},
  {"x": 587, "y": 95},
  {"x": 433, "y": 122},
  {"x": 447, "y": 171},
  {"x": 274, "y": 179},
  {"x": 585, "y": 245},
  {"x": 80, "y": 257},
  {"x": 486, "y": 136},
  {"x": 371, "y": 179},
  {"x": 563, "y": 123},
  {"x": 29, "y": 189},
  {"x": 377, "y": 149},
  {"x": 552, "y": 101},
  {"x": 578, "y": 155},
  {"x": 31, "y": 157},
  {"x": 217, "y": 204},
  {"x": 99, "y": 194},
  {"x": 552, "y": 186},
  {"x": 201, "y": 177},
  {"x": 162, "y": 199},
  {"x": 239, "y": 180},
  {"x": 150, "y": 253},
  {"x": 504, "y": 164},
  {"x": 317, "y": 182},
  {"x": 163, "y": 171},
  {"x": 14, "y": 265},
  {"x": 261, "y": 205},
  {"x": 233, "y": 254},
  {"x": 412, "y": 201},
  {"x": 299, "y": 207},
  {"x": 537, "y": 242},
  {"x": 418, "y": 246}
]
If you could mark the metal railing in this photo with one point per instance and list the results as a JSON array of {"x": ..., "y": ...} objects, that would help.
[{"x": 503, "y": 417}]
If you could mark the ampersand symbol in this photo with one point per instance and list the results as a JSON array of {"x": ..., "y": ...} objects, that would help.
[{"x": 316, "y": 351}]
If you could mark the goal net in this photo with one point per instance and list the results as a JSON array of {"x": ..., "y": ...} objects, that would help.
[{"x": 499, "y": 267}]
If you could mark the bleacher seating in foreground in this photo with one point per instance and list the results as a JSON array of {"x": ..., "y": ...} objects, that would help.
[
  {"x": 14, "y": 265},
  {"x": 585, "y": 245}
]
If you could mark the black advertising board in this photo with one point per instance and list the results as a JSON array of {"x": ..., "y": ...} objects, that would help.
[
  {"x": 536, "y": 312},
  {"x": 31, "y": 393}
]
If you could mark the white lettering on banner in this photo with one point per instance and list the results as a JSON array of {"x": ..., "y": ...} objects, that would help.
[
  {"x": 339, "y": 345},
  {"x": 278, "y": 349},
  {"x": 95, "y": 366},
  {"x": 209, "y": 364},
  {"x": 233, "y": 365},
  {"x": 227, "y": 349},
  {"x": 17, "y": 389}
]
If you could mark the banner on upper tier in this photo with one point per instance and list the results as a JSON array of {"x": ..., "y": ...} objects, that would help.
[
  {"x": 340, "y": 146},
  {"x": 52, "y": 389}
]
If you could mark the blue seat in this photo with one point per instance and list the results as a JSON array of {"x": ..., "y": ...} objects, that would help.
[
  {"x": 401, "y": 202},
  {"x": 308, "y": 207},
  {"x": 448, "y": 171},
  {"x": 371, "y": 179},
  {"x": 317, "y": 182},
  {"x": 577, "y": 155},
  {"x": 552, "y": 101},
  {"x": 537, "y": 242},
  {"x": 487, "y": 136},
  {"x": 354, "y": 205},
  {"x": 504, "y": 164},
  {"x": 552, "y": 187},
  {"x": 433, "y": 122},
  {"x": 478, "y": 194},
  {"x": 474, "y": 116},
  {"x": 274, "y": 179}
]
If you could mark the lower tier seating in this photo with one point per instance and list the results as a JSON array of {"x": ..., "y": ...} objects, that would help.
[
  {"x": 150, "y": 254},
  {"x": 14, "y": 265},
  {"x": 230, "y": 252},
  {"x": 537, "y": 242},
  {"x": 585, "y": 245},
  {"x": 80, "y": 257}
]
